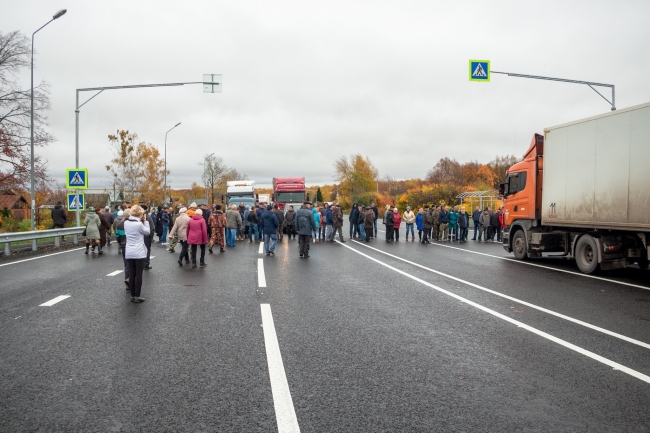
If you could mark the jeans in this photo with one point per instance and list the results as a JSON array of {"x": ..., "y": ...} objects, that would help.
[
  {"x": 328, "y": 232},
  {"x": 253, "y": 230},
  {"x": 269, "y": 242},
  {"x": 231, "y": 236},
  {"x": 164, "y": 235},
  {"x": 353, "y": 229},
  {"x": 362, "y": 232},
  {"x": 477, "y": 228},
  {"x": 396, "y": 233},
  {"x": 409, "y": 226},
  {"x": 483, "y": 233},
  {"x": 322, "y": 231},
  {"x": 375, "y": 227},
  {"x": 463, "y": 234}
]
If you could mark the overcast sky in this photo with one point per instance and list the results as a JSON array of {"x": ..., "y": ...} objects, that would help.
[{"x": 305, "y": 82}]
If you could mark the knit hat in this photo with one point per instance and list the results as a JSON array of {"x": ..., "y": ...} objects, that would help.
[
  {"x": 91, "y": 209},
  {"x": 198, "y": 212},
  {"x": 183, "y": 210},
  {"x": 193, "y": 205},
  {"x": 408, "y": 207},
  {"x": 120, "y": 213}
]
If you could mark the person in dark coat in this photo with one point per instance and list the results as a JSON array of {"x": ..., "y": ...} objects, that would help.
[
  {"x": 390, "y": 225},
  {"x": 206, "y": 217},
  {"x": 159, "y": 224},
  {"x": 463, "y": 224},
  {"x": 148, "y": 239},
  {"x": 354, "y": 218},
  {"x": 109, "y": 217},
  {"x": 260, "y": 212},
  {"x": 290, "y": 222},
  {"x": 104, "y": 227},
  {"x": 270, "y": 226},
  {"x": 280, "y": 216},
  {"x": 59, "y": 216},
  {"x": 427, "y": 222},
  {"x": 476, "y": 217},
  {"x": 305, "y": 225}
]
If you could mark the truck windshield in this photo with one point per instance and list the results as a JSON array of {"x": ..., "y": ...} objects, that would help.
[{"x": 286, "y": 197}]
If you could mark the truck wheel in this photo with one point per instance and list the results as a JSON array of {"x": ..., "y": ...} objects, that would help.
[
  {"x": 587, "y": 254},
  {"x": 519, "y": 245},
  {"x": 644, "y": 263}
]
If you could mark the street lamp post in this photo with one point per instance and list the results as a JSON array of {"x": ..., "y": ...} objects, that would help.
[
  {"x": 211, "y": 84},
  {"x": 59, "y": 14},
  {"x": 165, "y": 187}
]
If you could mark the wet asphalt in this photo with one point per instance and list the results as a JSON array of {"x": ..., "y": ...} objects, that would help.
[{"x": 373, "y": 337}]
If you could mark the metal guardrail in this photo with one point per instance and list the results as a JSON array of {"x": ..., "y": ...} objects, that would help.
[{"x": 7, "y": 238}]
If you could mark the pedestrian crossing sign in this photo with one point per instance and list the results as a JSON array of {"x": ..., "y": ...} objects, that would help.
[
  {"x": 76, "y": 178},
  {"x": 479, "y": 70},
  {"x": 74, "y": 205}
]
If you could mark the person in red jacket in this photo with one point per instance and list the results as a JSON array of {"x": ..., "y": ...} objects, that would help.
[
  {"x": 197, "y": 234},
  {"x": 397, "y": 221},
  {"x": 502, "y": 224}
]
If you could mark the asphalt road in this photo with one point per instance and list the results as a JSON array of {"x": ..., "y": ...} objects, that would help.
[{"x": 357, "y": 338}]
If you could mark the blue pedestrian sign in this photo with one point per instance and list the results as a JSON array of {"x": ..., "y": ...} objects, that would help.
[
  {"x": 76, "y": 178},
  {"x": 479, "y": 70},
  {"x": 73, "y": 205}
]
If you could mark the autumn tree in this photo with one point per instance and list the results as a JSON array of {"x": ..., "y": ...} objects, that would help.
[
  {"x": 15, "y": 115},
  {"x": 213, "y": 169},
  {"x": 138, "y": 169},
  {"x": 499, "y": 166},
  {"x": 357, "y": 178}
]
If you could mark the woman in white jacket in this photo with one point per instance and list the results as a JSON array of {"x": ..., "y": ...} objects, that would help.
[{"x": 135, "y": 251}]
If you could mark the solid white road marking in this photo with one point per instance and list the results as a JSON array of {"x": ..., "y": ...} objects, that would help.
[
  {"x": 614, "y": 365},
  {"x": 261, "y": 250},
  {"x": 152, "y": 257},
  {"x": 528, "y": 304},
  {"x": 285, "y": 414},
  {"x": 112, "y": 274},
  {"x": 54, "y": 301},
  {"x": 261, "y": 278},
  {"x": 42, "y": 257},
  {"x": 540, "y": 266}
]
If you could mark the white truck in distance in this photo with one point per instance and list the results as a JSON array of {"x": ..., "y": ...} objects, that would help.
[{"x": 240, "y": 191}]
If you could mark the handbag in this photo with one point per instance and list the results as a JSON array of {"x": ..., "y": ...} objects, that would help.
[{"x": 83, "y": 233}]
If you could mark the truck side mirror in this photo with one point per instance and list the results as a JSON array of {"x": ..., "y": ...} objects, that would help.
[{"x": 502, "y": 189}]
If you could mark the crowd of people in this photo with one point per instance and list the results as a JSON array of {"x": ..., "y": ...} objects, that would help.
[{"x": 197, "y": 228}]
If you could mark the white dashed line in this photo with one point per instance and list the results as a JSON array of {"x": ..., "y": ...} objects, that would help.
[
  {"x": 285, "y": 414},
  {"x": 580, "y": 350},
  {"x": 54, "y": 301},
  {"x": 519, "y": 301},
  {"x": 261, "y": 250},
  {"x": 112, "y": 274},
  {"x": 261, "y": 278}
]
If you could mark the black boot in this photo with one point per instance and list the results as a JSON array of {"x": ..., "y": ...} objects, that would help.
[
  {"x": 202, "y": 264},
  {"x": 210, "y": 249},
  {"x": 87, "y": 246},
  {"x": 180, "y": 262},
  {"x": 100, "y": 250},
  {"x": 194, "y": 263},
  {"x": 221, "y": 250}
]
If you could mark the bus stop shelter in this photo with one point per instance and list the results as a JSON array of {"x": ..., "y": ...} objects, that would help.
[{"x": 481, "y": 198}]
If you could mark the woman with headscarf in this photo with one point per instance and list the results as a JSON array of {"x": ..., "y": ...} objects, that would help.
[
  {"x": 136, "y": 227},
  {"x": 197, "y": 234},
  {"x": 92, "y": 224}
]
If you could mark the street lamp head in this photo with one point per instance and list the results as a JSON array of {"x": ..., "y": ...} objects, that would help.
[{"x": 59, "y": 14}]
